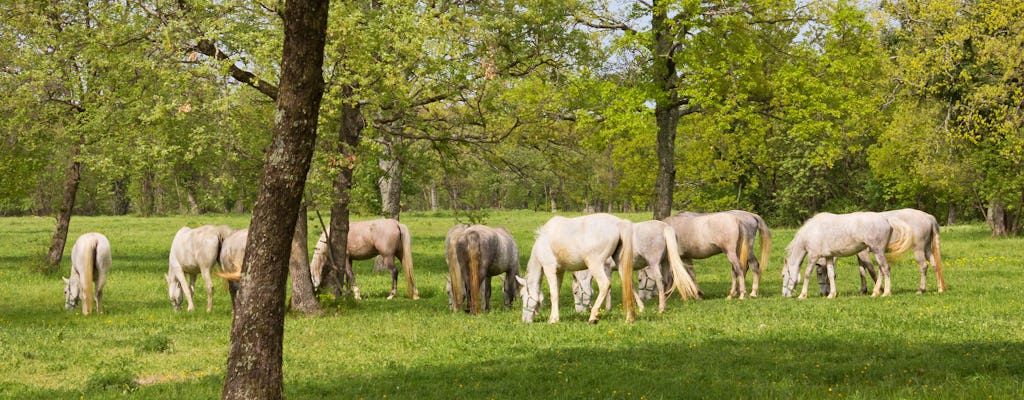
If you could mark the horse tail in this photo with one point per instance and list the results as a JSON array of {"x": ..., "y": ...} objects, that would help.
[
  {"x": 470, "y": 246},
  {"x": 683, "y": 282},
  {"x": 626, "y": 268},
  {"x": 745, "y": 244},
  {"x": 233, "y": 276},
  {"x": 766, "y": 243},
  {"x": 455, "y": 272},
  {"x": 937, "y": 257},
  {"x": 903, "y": 243},
  {"x": 407, "y": 261},
  {"x": 88, "y": 263}
]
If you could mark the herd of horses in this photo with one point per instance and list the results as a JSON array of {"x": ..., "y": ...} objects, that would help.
[{"x": 588, "y": 247}]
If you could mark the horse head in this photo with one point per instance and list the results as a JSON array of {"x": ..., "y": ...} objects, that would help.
[
  {"x": 532, "y": 298},
  {"x": 174, "y": 292},
  {"x": 71, "y": 293},
  {"x": 790, "y": 276}
]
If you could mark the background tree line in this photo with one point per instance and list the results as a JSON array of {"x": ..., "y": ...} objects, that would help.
[{"x": 784, "y": 108}]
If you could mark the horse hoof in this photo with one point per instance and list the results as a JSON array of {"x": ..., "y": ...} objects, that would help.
[
  {"x": 593, "y": 321},
  {"x": 391, "y": 296}
]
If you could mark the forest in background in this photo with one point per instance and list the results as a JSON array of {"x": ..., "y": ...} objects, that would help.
[{"x": 783, "y": 108}]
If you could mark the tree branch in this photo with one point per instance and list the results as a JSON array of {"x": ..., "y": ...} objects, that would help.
[{"x": 209, "y": 49}]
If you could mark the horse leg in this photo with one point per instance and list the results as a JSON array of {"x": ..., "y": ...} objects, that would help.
[
  {"x": 509, "y": 289},
  {"x": 923, "y": 265},
  {"x": 807, "y": 276},
  {"x": 485, "y": 287},
  {"x": 688, "y": 264},
  {"x": 659, "y": 283},
  {"x": 389, "y": 264},
  {"x": 865, "y": 267},
  {"x": 554, "y": 282},
  {"x": 883, "y": 268},
  {"x": 603, "y": 286},
  {"x": 737, "y": 274},
  {"x": 209, "y": 288},
  {"x": 830, "y": 269},
  {"x": 185, "y": 288},
  {"x": 755, "y": 265},
  {"x": 350, "y": 276}
]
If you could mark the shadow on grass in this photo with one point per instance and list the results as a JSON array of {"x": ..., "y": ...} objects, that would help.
[{"x": 714, "y": 369}]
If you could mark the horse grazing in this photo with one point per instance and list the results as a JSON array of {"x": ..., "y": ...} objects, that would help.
[
  {"x": 926, "y": 250},
  {"x": 827, "y": 236},
  {"x": 193, "y": 251},
  {"x": 731, "y": 232},
  {"x": 655, "y": 247},
  {"x": 572, "y": 244},
  {"x": 474, "y": 254},
  {"x": 90, "y": 262},
  {"x": 232, "y": 254},
  {"x": 385, "y": 237}
]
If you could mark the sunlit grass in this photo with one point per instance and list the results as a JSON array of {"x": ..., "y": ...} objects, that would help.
[{"x": 965, "y": 343}]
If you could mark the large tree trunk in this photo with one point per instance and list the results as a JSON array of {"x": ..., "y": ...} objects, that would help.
[
  {"x": 996, "y": 218},
  {"x": 666, "y": 109},
  {"x": 257, "y": 332},
  {"x": 349, "y": 134},
  {"x": 433, "y": 197},
  {"x": 303, "y": 298},
  {"x": 120, "y": 200},
  {"x": 67, "y": 205}
]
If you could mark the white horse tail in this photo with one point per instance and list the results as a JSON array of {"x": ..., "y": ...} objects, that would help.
[
  {"x": 407, "y": 261},
  {"x": 937, "y": 258},
  {"x": 471, "y": 245},
  {"x": 683, "y": 281},
  {"x": 455, "y": 273},
  {"x": 89, "y": 263},
  {"x": 626, "y": 268},
  {"x": 901, "y": 239},
  {"x": 766, "y": 243}
]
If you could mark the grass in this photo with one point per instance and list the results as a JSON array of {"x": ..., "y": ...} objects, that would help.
[{"x": 965, "y": 343}]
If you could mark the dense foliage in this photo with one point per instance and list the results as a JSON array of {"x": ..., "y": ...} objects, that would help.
[{"x": 791, "y": 107}]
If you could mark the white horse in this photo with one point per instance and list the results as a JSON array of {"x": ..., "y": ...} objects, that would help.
[
  {"x": 232, "y": 254},
  {"x": 385, "y": 237},
  {"x": 827, "y": 236},
  {"x": 655, "y": 247},
  {"x": 730, "y": 232},
  {"x": 926, "y": 250},
  {"x": 90, "y": 262},
  {"x": 474, "y": 254},
  {"x": 572, "y": 244},
  {"x": 193, "y": 251}
]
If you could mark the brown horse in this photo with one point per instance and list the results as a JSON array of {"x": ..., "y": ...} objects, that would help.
[
  {"x": 475, "y": 254},
  {"x": 385, "y": 237},
  {"x": 703, "y": 235}
]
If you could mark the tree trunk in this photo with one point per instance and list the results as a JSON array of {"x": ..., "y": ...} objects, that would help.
[
  {"x": 147, "y": 205},
  {"x": 996, "y": 218},
  {"x": 67, "y": 205},
  {"x": 390, "y": 184},
  {"x": 951, "y": 215},
  {"x": 303, "y": 299},
  {"x": 433, "y": 197},
  {"x": 257, "y": 331},
  {"x": 666, "y": 109},
  {"x": 349, "y": 135},
  {"x": 121, "y": 201}
]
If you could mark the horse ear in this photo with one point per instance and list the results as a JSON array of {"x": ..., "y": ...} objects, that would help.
[
  {"x": 522, "y": 282},
  {"x": 66, "y": 280}
]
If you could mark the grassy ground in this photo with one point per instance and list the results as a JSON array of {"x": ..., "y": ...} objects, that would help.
[{"x": 965, "y": 343}]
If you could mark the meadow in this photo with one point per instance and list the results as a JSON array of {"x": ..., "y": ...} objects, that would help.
[{"x": 965, "y": 343}]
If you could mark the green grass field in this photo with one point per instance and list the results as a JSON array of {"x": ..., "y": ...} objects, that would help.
[{"x": 965, "y": 343}]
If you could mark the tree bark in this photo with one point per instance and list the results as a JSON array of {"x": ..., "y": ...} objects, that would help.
[
  {"x": 433, "y": 197},
  {"x": 303, "y": 299},
  {"x": 349, "y": 135},
  {"x": 391, "y": 183},
  {"x": 257, "y": 332},
  {"x": 120, "y": 200},
  {"x": 67, "y": 205},
  {"x": 996, "y": 218},
  {"x": 666, "y": 110},
  {"x": 147, "y": 205}
]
